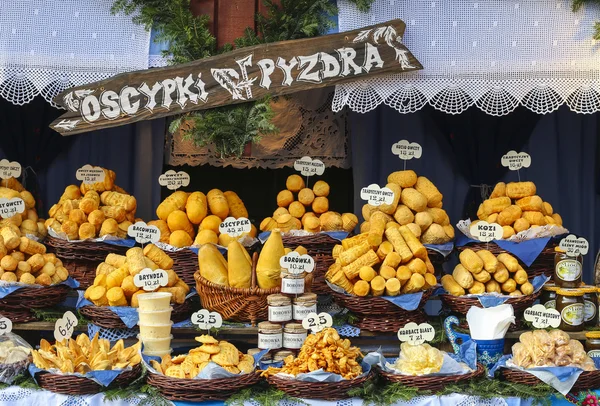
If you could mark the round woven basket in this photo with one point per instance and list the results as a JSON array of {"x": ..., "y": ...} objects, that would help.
[
  {"x": 318, "y": 390},
  {"x": 389, "y": 324},
  {"x": 588, "y": 380},
  {"x": 543, "y": 264},
  {"x": 78, "y": 385},
  {"x": 200, "y": 390},
  {"x": 185, "y": 263},
  {"x": 33, "y": 298},
  {"x": 82, "y": 258},
  {"x": 373, "y": 305},
  {"x": 237, "y": 304},
  {"x": 106, "y": 318},
  {"x": 462, "y": 304},
  {"x": 432, "y": 383}
]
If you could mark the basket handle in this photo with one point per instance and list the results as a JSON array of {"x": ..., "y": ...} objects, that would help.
[{"x": 254, "y": 261}]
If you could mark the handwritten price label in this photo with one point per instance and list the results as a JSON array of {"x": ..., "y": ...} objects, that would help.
[
  {"x": 174, "y": 180},
  {"x": 407, "y": 150},
  {"x": 206, "y": 320},
  {"x": 317, "y": 322},
  {"x": 64, "y": 327},
  {"x": 143, "y": 233},
  {"x": 11, "y": 207},
  {"x": 574, "y": 246},
  {"x": 416, "y": 334},
  {"x": 9, "y": 169},
  {"x": 376, "y": 195},
  {"x": 514, "y": 160},
  {"x": 297, "y": 264},
  {"x": 309, "y": 167},
  {"x": 5, "y": 325},
  {"x": 235, "y": 227},
  {"x": 541, "y": 317},
  {"x": 150, "y": 280},
  {"x": 89, "y": 174},
  {"x": 486, "y": 232}
]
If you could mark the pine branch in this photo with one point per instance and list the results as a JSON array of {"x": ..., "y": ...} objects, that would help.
[{"x": 362, "y": 5}]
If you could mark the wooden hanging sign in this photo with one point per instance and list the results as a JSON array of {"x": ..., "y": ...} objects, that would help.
[{"x": 235, "y": 77}]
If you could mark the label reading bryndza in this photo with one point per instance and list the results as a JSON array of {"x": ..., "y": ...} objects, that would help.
[
  {"x": 568, "y": 270},
  {"x": 572, "y": 314}
]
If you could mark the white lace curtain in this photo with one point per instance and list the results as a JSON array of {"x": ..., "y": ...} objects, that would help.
[
  {"x": 495, "y": 54},
  {"x": 47, "y": 46}
]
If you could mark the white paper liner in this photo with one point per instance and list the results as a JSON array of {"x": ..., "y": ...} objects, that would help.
[
  {"x": 63, "y": 236},
  {"x": 551, "y": 230},
  {"x": 246, "y": 241}
]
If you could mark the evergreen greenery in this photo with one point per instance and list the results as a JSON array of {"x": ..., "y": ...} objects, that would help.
[
  {"x": 362, "y": 5},
  {"x": 262, "y": 394}
]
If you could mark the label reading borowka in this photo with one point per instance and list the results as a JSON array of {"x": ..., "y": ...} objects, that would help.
[
  {"x": 486, "y": 232},
  {"x": 280, "y": 313},
  {"x": 89, "y": 174},
  {"x": 542, "y": 317},
  {"x": 174, "y": 180},
  {"x": 574, "y": 246},
  {"x": 293, "y": 341},
  {"x": 270, "y": 341},
  {"x": 11, "y": 207},
  {"x": 150, "y": 280},
  {"x": 292, "y": 286},
  {"x": 514, "y": 160},
  {"x": 407, "y": 150},
  {"x": 416, "y": 334},
  {"x": 9, "y": 169},
  {"x": 309, "y": 167},
  {"x": 297, "y": 264},
  {"x": 300, "y": 312},
  {"x": 376, "y": 195},
  {"x": 235, "y": 227}
]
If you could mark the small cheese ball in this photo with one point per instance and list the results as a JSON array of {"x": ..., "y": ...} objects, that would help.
[
  {"x": 284, "y": 198},
  {"x": 294, "y": 183},
  {"x": 296, "y": 209},
  {"x": 320, "y": 205},
  {"x": 306, "y": 196},
  {"x": 180, "y": 239},
  {"x": 321, "y": 188}
]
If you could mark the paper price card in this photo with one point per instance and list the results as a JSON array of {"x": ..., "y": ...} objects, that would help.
[
  {"x": 206, "y": 320},
  {"x": 376, "y": 196},
  {"x": 514, "y": 160},
  {"x": 174, "y": 180},
  {"x": 297, "y": 264},
  {"x": 143, "y": 233},
  {"x": 150, "y": 280},
  {"x": 11, "y": 207},
  {"x": 317, "y": 322},
  {"x": 416, "y": 334},
  {"x": 407, "y": 150},
  {"x": 574, "y": 246},
  {"x": 309, "y": 167},
  {"x": 541, "y": 317},
  {"x": 486, "y": 232},
  {"x": 5, "y": 325},
  {"x": 89, "y": 174},
  {"x": 9, "y": 169},
  {"x": 235, "y": 227},
  {"x": 65, "y": 326}
]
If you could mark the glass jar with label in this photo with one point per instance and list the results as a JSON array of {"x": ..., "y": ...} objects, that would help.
[
  {"x": 590, "y": 305},
  {"x": 304, "y": 304},
  {"x": 567, "y": 270},
  {"x": 548, "y": 296},
  {"x": 569, "y": 303},
  {"x": 293, "y": 336},
  {"x": 592, "y": 346},
  {"x": 292, "y": 284},
  {"x": 281, "y": 355},
  {"x": 270, "y": 336},
  {"x": 280, "y": 308}
]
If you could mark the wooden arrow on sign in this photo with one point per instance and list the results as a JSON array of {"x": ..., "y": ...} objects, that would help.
[{"x": 235, "y": 77}]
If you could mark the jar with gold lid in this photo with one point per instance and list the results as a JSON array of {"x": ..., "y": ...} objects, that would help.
[
  {"x": 592, "y": 346},
  {"x": 590, "y": 305},
  {"x": 569, "y": 303},
  {"x": 548, "y": 296},
  {"x": 567, "y": 269}
]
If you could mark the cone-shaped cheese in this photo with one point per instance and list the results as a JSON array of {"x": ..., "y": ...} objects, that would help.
[
  {"x": 268, "y": 270},
  {"x": 238, "y": 267},
  {"x": 212, "y": 265}
]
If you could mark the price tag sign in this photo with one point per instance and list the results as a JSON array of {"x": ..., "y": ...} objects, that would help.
[
  {"x": 5, "y": 325},
  {"x": 11, "y": 207},
  {"x": 486, "y": 232},
  {"x": 89, "y": 174},
  {"x": 235, "y": 227},
  {"x": 64, "y": 327},
  {"x": 416, "y": 334},
  {"x": 9, "y": 169},
  {"x": 407, "y": 150},
  {"x": 376, "y": 196},
  {"x": 574, "y": 246},
  {"x": 541, "y": 317},
  {"x": 206, "y": 320},
  {"x": 150, "y": 280},
  {"x": 514, "y": 160},
  {"x": 174, "y": 180},
  {"x": 297, "y": 264},
  {"x": 309, "y": 167},
  {"x": 143, "y": 233},
  {"x": 317, "y": 322}
]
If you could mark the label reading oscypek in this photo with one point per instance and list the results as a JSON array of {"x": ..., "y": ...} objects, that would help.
[
  {"x": 9, "y": 169},
  {"x": 174, "y": 180},
  {"x": 416, "y": 334},
  {"x": 297, "y": 264},
  {"x": 143, "y": 233},
  {"x": 206, "y": 320},
  {"x": 486, "y": 232},
  {"x": 376, "y": 195},
  {"x": 514, "y": 160},
  {"x": 542, "y": 317},
  {"x": 89, "y": 174},
  {"x": 407, "y": 150},
  {"x": 150, "y": 280},
  {"x": 235, "y": 227},
  {"x": 65, "y": 326},
  {"x": 574, "y": 246},
  {"x": 317, "y": 322},
  {"x": 309, "y": 167}
]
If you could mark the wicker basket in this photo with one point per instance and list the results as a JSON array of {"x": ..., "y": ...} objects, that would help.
[
  {"x": 106, "y": 318},
  {"x": 588, "y": 380},
  {"x": 200, "y": 390},
  {"x": 389, "y": 324},
  {"x": 373, "y": 305},
  {"x": 77, "y": 385},
  {"x": 185, "y": 263},
  {"x": 543, "y": 264},
  {"x": 33, "y": 298},
  {"x": 462, "y": 304},
  {"x": 82, "y": 258},
  {"x": 318, "y": 390},
  {"x": 237, "y": 304},
  {"x": 432, "y": 383}
]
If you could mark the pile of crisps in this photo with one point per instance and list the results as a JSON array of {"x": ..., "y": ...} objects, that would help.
[
  {"x": 221, "y": 353},
  {"x": 324, "y": 350},
  {"x": 418, "y": 359},
  {"x": 82, "y": 355}
]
